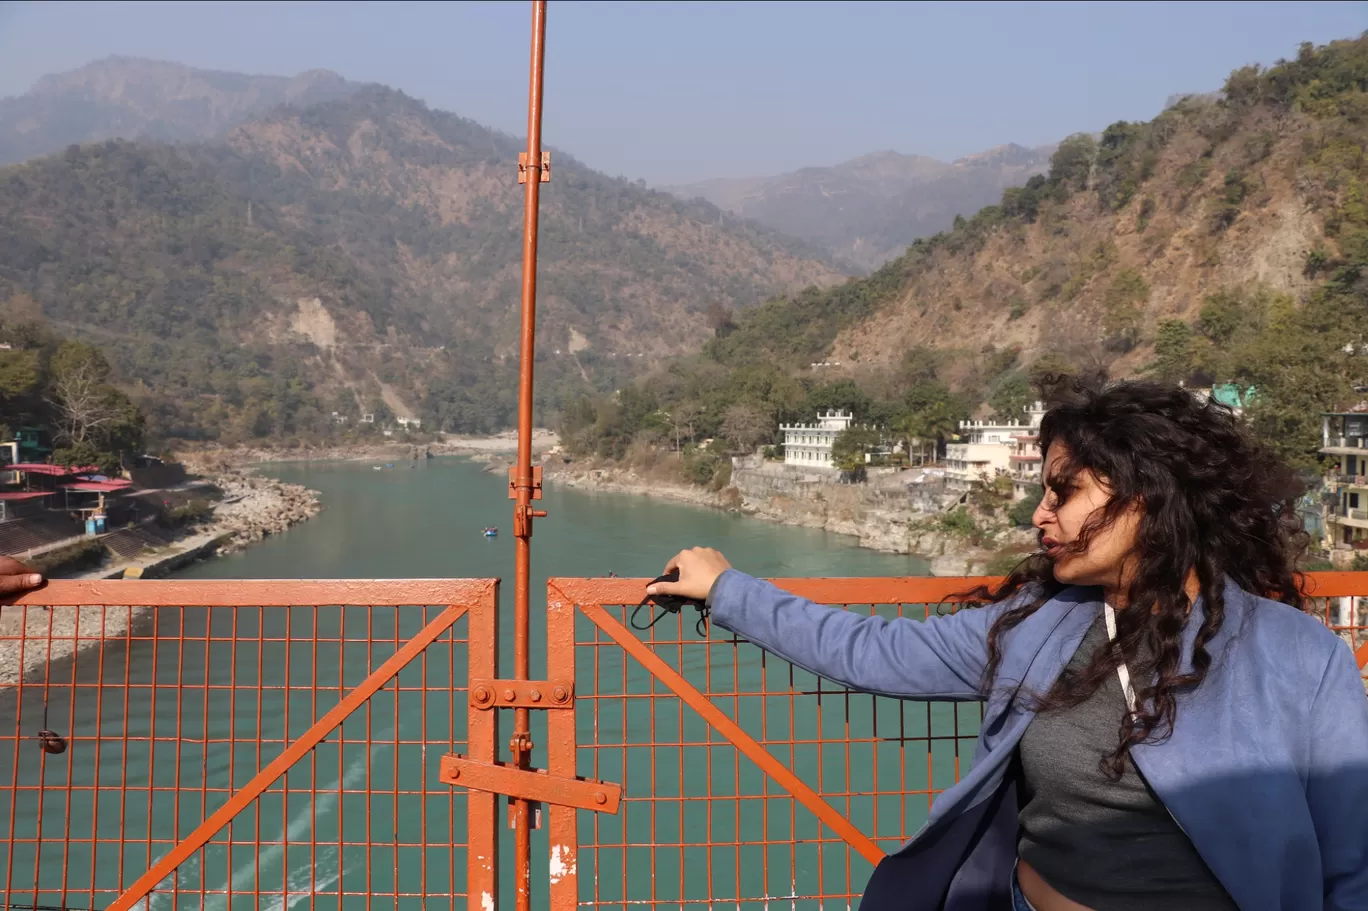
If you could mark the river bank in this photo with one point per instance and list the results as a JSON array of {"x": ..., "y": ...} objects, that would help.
[
  {"x": 208, "y": 459},
  {"x": 880, "y": 518},
  {"x": 252, "y": 507}
]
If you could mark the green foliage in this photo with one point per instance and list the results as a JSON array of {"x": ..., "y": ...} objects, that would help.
[
  {"x": 1022, "y": 510},
  {"x": 1072, "y": 162},
  {"x": 1172, "y": 352},
  {"x": 189, "y": 513},
  {"x": 1121, "y": 313},
  {"x": 959, "y": 522},
  {"x": 72, "y": 558},
  {"x": 62, "y": 387},
  {"x": 849, "y": 448},
  {"x": 1009, "y": 394}
]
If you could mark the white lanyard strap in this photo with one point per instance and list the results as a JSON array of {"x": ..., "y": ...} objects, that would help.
[{"x": 1122, "y": 671}]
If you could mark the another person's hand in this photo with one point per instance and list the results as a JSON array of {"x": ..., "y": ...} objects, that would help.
[
  {"x": 16, "y": 578},
  {"x": 698, "y": 568}
]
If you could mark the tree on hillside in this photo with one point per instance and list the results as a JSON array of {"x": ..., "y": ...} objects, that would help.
[
  {"x": 849, "y": 448},
  {"x": 1072, "y": 161},
  {"x": 840, "y": 395},
  {"x": 84, "y": 409},
  {"x": 745, "y": 426},
  {"x": 720, "y": 320},
  {"x": 1009, "y": 395},
  {"x": 95, "y": 420},
  {"x": 1172, "y": 352}
]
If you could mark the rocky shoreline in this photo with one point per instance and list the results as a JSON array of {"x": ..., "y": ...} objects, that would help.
[
  {"x": 845, "y": 510},
  {"x": 255, "y": 507}
]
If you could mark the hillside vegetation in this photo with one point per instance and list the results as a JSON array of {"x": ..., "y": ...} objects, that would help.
[
  {"x": 62, "y": 388},
  {"x": 363, "y": 255},
  {"x": 1226, "y": 240}
]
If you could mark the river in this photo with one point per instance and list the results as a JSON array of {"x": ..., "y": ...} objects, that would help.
[{"x": 424, "y": 519}]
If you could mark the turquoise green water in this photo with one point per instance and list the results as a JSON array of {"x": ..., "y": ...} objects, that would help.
[
  {"x": 192, "y": 737},
  {"x": 423, "y": 519}
]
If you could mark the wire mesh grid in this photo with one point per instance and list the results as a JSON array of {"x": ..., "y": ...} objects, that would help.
[
  {"x": 703, "y": 823},
  {"x": 1348, "y": 616},
  {"x": 166, "y": 712}
]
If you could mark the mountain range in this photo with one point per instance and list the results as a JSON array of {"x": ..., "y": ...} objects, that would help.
[
  {"x": 867, "y": 210},
  {"x": 133, "y": 98},
  {"x": 348, "y": 254}
]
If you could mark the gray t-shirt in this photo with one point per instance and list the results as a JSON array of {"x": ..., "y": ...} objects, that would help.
[{"x": 1110, "y": 845}]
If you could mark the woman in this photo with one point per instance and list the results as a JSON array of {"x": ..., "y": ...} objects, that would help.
[{"x": 1163, "y": 726}]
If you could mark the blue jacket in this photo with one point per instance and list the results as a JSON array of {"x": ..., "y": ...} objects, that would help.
[{"x": 1266, "y": 770}]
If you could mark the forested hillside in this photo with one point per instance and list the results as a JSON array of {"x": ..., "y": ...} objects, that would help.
[
  {"x": 363, "y": 256},
  {"x": 1226, "y": 240}
]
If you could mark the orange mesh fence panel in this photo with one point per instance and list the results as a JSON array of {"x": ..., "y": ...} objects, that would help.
[
  {"x": 827, "y": 781},
  {"x": 1340, "y": 600},
  {"x": 171, "y": 697},
  {"x": 743, "y": 776}
]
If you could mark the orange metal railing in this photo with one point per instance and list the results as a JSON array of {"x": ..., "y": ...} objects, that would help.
[
  {"x": 237, "y": 744},
  {"x": 335, "y": 744},
  {"x": 746, "y": 779}
]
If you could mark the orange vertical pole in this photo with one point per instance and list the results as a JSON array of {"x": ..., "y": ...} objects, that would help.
[
  {"x": 561, "y": 753},
  {"x": 482, "y": 732},
  {"x": 532, "y": 172}
]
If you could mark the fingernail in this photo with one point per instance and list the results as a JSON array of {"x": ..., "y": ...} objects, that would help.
[
  {"x": 650, "y": 589},
  {"x": 34, "y": 579}
]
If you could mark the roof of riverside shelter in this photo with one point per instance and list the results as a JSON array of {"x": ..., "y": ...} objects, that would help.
[{"x": 55, "y": 471}]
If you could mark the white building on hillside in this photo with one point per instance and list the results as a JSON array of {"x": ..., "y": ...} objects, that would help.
[
  {"x": 987, "y": 447},
  {"x": 1025, "y": 459},
  {"x": 809, "y": 445}
]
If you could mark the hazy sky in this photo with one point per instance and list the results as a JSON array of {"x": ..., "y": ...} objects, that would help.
[{"x": 674, "y": 92}]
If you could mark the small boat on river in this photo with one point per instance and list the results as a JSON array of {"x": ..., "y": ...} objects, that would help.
[{"x": 491, "y": 532}]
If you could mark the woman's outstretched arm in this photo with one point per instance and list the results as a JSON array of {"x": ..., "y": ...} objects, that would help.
[{"x": 942, "y": 657}]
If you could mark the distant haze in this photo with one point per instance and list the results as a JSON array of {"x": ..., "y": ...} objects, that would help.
[{"x": 676, "y": 93}]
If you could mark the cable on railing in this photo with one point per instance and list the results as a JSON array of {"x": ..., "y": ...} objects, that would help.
[{"x": 671, "y": 604}]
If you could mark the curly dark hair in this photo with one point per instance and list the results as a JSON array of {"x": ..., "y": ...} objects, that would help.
[{"x": 1214, "y": 502}]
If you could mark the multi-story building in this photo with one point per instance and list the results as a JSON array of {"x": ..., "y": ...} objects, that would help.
[
  {"x": 809, "y": 445},
  {"x": 1344, "y": 437},
  {"x": 987, "y": 449},
  {"x": 1025, "y": 460}
]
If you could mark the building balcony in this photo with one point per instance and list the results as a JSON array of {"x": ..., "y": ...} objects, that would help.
[
  {"x": 1349, "y": 480},
  {"x": 1344, "y": 445},
  {"x": 1354, "y": 518}
]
